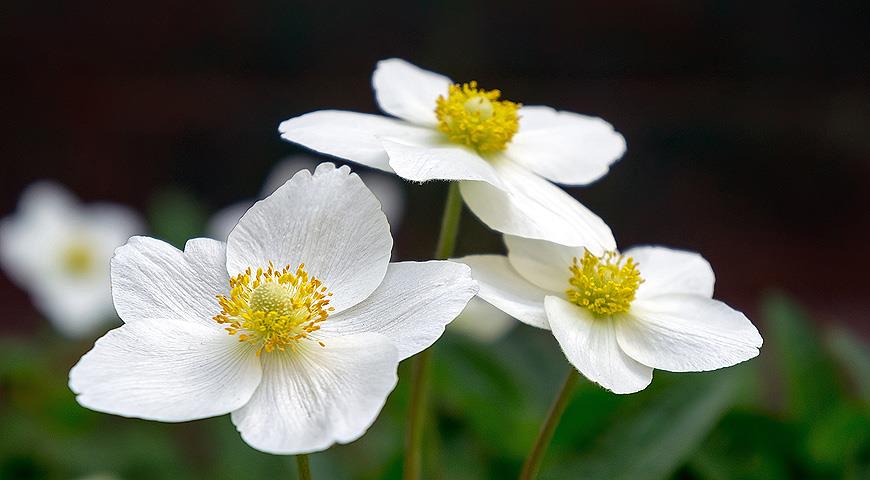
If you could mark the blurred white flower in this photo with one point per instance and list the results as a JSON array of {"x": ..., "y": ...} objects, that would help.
[
  {"x": 482, "y": 322},
  {"x": 58, "y": 250},
  {"x": 387, "y": 190},
  {"x": 296, "y": 325},
  {"x": 618, "y": 316},
  {"x": 504, "y": 154}
]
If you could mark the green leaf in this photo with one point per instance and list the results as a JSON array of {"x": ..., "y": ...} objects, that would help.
[
  {"x": 657, "y": 436},
  {"x": 176, "y": 216},
  {"x": 809, "y": 375},
  {"x": 854, "y": 358}
]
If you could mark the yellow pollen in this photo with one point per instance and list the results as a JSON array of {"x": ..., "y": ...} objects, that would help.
[
  {"x": 77, "y": 259},
  {"x": 604, "y": 285},
  {"x": 477, "y": 118},
  {"x": 274, "y": 309}
]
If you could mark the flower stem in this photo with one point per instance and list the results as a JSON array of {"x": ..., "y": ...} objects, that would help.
[
  {"x": 420, "y": 375},
  {"x": 302, "y": 465},
  {"x": 533, "y": 462}
]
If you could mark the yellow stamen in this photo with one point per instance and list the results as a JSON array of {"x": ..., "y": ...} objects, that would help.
[
  {"x": 477, "y": 118},
  {"x": 604, "y": 285},
  {"x": 77, "y": 258},
  {"x": 274, "y": 309}
]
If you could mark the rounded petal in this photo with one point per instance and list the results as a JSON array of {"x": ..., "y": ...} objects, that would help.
[
  {"x": 407, "y": 91},
  {"x": 225, "y": 220},
  {"x": 545, "y": 264},
  {"x": 687, "y": 333},
  {"x": 505, "y": 289},
  {"x": 590, "y": 345},
  {"x": 532, "y": 207},
  {"x": 317, "y": 396},
  {"x": 665, "y": 270},
  {"x": 482, "y": 322},
  {"x": 412, "y": 305},
  {"x": 330, "y": 222},
  {"x": 77, "y": 309},
  {"x": 350, "y": 135},
  {"x": 565, "y": 147},
  {"x": 436, "y": 160},
  {"x": 166, "y": 370},
  {"x": 152, "y": 279}
]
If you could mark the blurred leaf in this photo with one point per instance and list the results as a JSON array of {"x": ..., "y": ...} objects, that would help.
[
  {"x": 655, "y": 438},
  {"x": 176, "y": 216},
  {"x": 809, "y": 375},
  {"x": 840, "y": 439},
  {"x": 854, "y": 357}
]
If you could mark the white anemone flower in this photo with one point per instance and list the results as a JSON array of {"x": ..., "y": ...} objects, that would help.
[
  {"x": 386, "y": 189},
  {"x": 505, "y": 155},
  {"x": 59, "y": 249},
  {"x": 618, "y": 316},
  {"x": 295, "y": 325}
]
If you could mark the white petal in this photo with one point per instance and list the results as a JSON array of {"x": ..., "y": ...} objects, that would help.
[
  {"x": 407, "y": 91},
  {"x": 565, "y": 147},
  {"x": 535, "y": 208},
  {"x": 225, "y": 220},
  {"x": 505, "y": 289},
  {"x": 330, "y": 222},
  {"x": 152, "y": 279},
  {"x": 687, "y": 333},
  {"x": 318, "y": 396},
  {"x": 390, "y": 193},
  {"x": 166, "y": 370},
  {"x": 482, "y": 322},
  {"x": 665, "y": 270},
  {"x": 284, "y": 170},
  {"x": 590, "y": 345},
  {"x": 411, "y": 307},
  {"x": 350, "y": 135},
  {"x": 77, "y": 309},
  {"x": 437, "y": 160},
  {"x": 545, "y": 264}
]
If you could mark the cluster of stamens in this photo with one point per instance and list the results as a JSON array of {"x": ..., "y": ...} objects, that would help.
[
  {"x": 477, "y": 118},
  {"x": 604, "y": 285},
  {"x": 77, "y": 258},
  {"x": 274, "y": 309}
]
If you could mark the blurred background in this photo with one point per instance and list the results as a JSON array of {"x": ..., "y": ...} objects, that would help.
[{"x": 747, "y": 128}]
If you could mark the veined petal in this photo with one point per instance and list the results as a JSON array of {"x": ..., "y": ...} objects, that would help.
[
  {"x": 665, "y": 270},
  {"x": 505, "y": 289},
  {"x": 565, "y": 147},
  {"x": 543, "y": 263},
  {"x": 330, "y": 222},
  {"x": 350, "y": 135},
  {"x": 412, "y": 305},
  {"x": 438, "y": 160},
  {"x": 166, "y": 370},
  {"x": 317, "y": 396},
  {"x": 407, "y": 91},
  {"x": 590, "y": 345},
  {"x": 687, "y": 333},
  {"x": 532, "y": 207},
  {"x": 152, "y": 279}
]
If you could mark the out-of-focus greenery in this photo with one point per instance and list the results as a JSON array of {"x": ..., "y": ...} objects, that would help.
[{"x": 798, "y": 411}]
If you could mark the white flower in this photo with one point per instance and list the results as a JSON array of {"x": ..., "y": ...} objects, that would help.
[
  {"x": 482, "y": 322},
  {"x": 59, "y": 251},
  {"x": 503, "y": 153},
  {"x": 617, "y": 317},
  {"x": 385, "y": 188},
  {"x": 303, "y": 356}
]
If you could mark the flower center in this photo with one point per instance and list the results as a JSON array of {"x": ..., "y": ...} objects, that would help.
[
  {"x": 274, "y": 309},
  {"x": 477, "y": 118},
  {"x": 77, "y": 259},
  {"x": 604, "y": 285}
]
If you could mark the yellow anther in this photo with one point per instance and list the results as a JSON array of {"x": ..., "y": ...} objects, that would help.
[
  {"x": 77, "y": 259},
  {"x": 477, "y": 118},
  {"x": 604, "y": 285},
  {"x": 274, "y": 309}
]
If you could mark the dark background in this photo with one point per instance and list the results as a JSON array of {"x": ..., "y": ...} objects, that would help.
[{"x": 748, "y": 124}]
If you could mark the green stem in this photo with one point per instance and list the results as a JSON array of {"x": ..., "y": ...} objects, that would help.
[
  {"x": 304, "y": 469},
  {"x": 421, "y": 364},
  {"x": 533, "y": 462}
]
